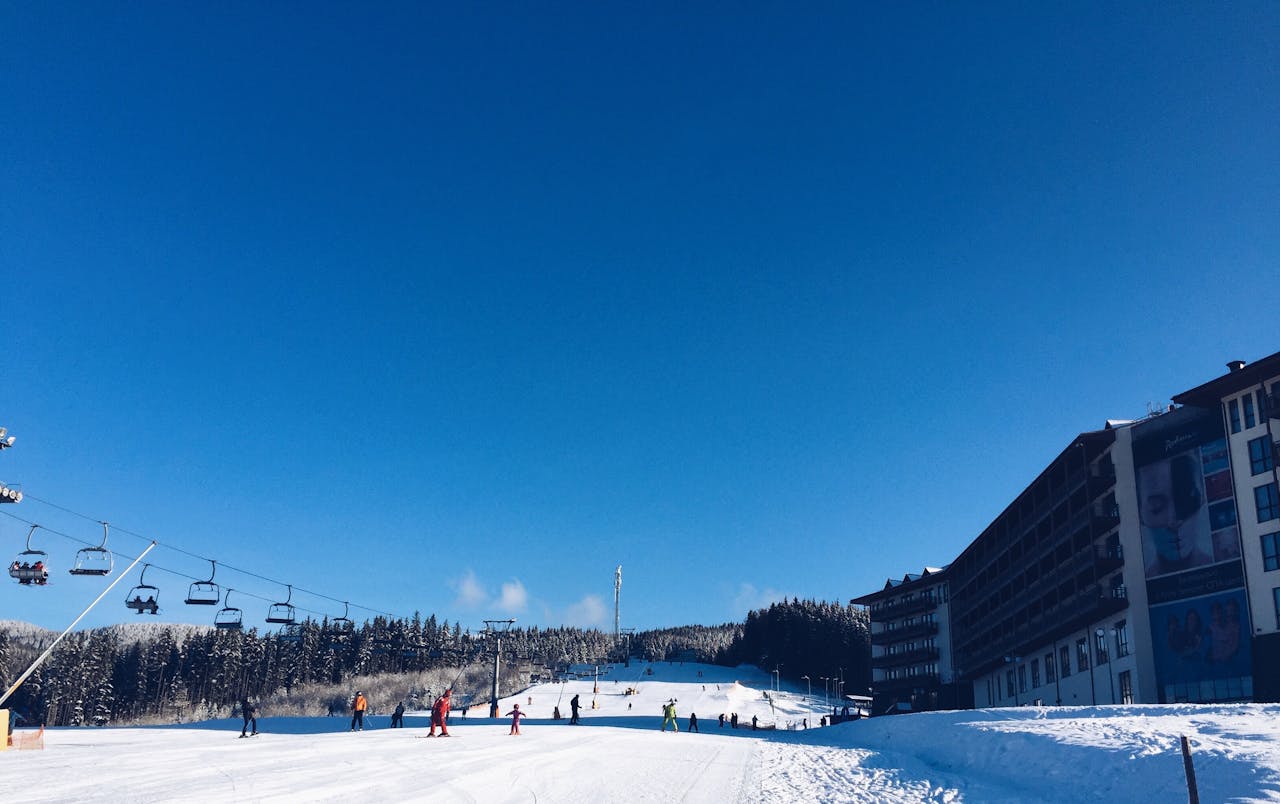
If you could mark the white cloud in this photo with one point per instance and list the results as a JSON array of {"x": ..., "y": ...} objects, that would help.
[
  {"x": 586, "y": 612},
  {"x": 471, "y": 593},
  {"x": 513, "y": 597},
  {"x": 750, "y": 598}
]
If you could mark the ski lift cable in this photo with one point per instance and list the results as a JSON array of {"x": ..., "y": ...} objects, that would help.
[
  {"x": 158, "y": 568},
  {"x": 203, "y": 558}
]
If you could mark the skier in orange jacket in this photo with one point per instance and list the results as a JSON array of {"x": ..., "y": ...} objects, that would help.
[
  {"x": 358, "y": 705},
  {"x": 440, "y": 715}
]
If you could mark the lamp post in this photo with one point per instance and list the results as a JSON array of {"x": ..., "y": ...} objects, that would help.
[
  {"x": 1102, "y": 641},
  {"x": 826, "y": 690},
  {"x": 806, "y": 680},
  {"x": 777, "y": 680}
]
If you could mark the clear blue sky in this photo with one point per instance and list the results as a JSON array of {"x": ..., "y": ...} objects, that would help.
[{"x": 404, "y": 305}]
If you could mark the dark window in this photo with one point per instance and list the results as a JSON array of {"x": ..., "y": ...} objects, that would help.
[
  {"x": 1035, "y": 672},
  {"x": 1100, "y": 647},
  {"x": 1233, "y": 410},
  {"x": 1009, "y": 683},
  {"x": 1270, "y": 552},
  {"x": 1022, "y": 678},
  {"x": 1064, "y": 660},
  {"x": 1049, "y": 673},
  {"x": 1122, "y": 638},
  {"x": 1126, "y": 688},
  {"x": 1260, "y": 455},
  {"x": 1249, "y": 419},
  {"x": 1267, "y": 501},
  {"x": 1082, "y": 654}
]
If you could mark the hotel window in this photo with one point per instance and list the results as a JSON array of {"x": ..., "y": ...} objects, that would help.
[
  {"x": 1267, "y": 502},
  {"x": 1249, "y": 419},
  {"x": 1270, "y": 552},
  {"x": 1126, "y": 688},
  {"x": 1064, "y": 661},
  {"x": 1082, "y": 654},
  {"x": 1233, "y": 411},
  {"x": 1008, "y": 678},
  {"x": 1049, "y": 674},
  {"x": 1122, "y": 639},
  {"x": 1035, "y": 673},
  {"x": 1100, "y": 648},
  {"x": 1260, "y": 455},
  {"x": 1022, "y": 678}
]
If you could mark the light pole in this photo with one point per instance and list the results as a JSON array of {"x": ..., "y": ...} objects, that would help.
[
  {"x": 806, "y": 680},
  {"x": 497, "y": 628},
  {"x": 1102, "y": 642},
  {"x": 826, "y": 690},
  {"x": 777, "y": 681}
]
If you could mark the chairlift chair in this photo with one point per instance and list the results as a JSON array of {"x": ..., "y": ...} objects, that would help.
[
  {"x": 94, "y": 560},
  {"x": 341, "y": 629},
  {"x": 204, "y": 593},
  {"x": 229, "y": 618},
  {"x": 30, "y": 567},
  {"x": 283, "y": 613},
  {"x": 144, "y": 598}
]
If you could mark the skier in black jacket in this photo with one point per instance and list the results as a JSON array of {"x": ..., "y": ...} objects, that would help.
[
  {"x": 573, "y": 704},
  {"x": 250, "y": 713}
]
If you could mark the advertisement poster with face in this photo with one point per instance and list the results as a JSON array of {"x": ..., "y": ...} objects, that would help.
[{"x": 1202, "y": 639}]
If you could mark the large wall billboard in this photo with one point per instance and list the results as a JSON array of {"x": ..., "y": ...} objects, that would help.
[{"x": 1191, "y": 557}]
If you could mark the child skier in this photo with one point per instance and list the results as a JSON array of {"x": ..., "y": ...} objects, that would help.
[{"x": 515, "y": 715}]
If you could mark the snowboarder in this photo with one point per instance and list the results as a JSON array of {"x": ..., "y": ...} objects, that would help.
[
  {"x": 358, "y": 705},
  {"x": 754, "y": 719},
  {"x": 573, "y": 706},
  {"x": 693, "y": 721},
  {"x": 515, "y": 715},
  {"x": 722, "y": 720},
  {"x": 250, "y": 713},
  {"x": 397, "y": 717},
  {"x": 440, "y": 715},
  {"x": 669, "y": 716}
]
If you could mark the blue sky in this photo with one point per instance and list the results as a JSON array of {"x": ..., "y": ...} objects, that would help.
[{"x": 456, "y": 309}]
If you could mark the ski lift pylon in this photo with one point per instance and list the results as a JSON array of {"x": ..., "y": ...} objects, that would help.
[
  {"x": 144, "y": 598},
  {"x": 229, "y": 618},
  {"x": 282, "y": 613},
  {"x": 94, "y": 560},
  {"x": 31, "y": 566},
  {"x": 204, "y": 593}
]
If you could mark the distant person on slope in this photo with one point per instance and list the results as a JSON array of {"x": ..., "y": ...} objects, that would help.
[
  {"x": 573, "y": 705},
  {"x": 440, "y": 715},
  {"x": 250, "y": 713},
  {"x": 669, "y": 716},
  {"x": 397, "y": 717},
  {"x": 693, "y": 721},
  {"x": 358, "y": 705}
]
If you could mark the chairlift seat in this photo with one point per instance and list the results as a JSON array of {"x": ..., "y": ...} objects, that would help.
[
  {"x": 203, "y": 593},
  {"x": 229, "y": 618},
  {"x": 144, "y": 599},
  {"x": 93, "y": 561},
  {"x": 281, "y": 614}
]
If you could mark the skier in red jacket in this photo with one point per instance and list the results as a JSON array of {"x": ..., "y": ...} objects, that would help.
[{"x": 440, "y": 715}]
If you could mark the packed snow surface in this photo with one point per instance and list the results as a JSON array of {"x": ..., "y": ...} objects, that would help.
[{"x": 618, "y": 753}]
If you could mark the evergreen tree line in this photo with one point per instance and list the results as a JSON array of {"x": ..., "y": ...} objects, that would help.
[{"x": 164, "y": 672}]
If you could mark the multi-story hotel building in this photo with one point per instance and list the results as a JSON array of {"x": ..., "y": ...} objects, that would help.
[{"x": 1142, "y": 565}]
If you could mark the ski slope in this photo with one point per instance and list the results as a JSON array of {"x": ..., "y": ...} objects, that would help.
[{"x": 618, "y": 754}]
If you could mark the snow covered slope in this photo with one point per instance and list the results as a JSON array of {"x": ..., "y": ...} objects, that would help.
[{"x": 618, "y": 753}]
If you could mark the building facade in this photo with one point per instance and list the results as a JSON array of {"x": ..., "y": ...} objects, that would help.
[
  {"x": 911, "y": 649},
  {"x": 1141, "y": 566}
]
